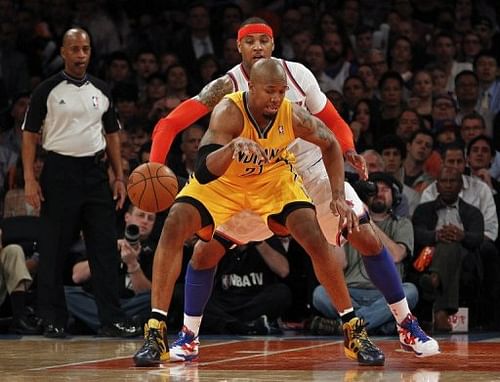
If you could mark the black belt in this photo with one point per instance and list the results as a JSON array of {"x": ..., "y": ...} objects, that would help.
[
  {"x": 96, "y": 158},
  {"x": 99, "y": 156}
]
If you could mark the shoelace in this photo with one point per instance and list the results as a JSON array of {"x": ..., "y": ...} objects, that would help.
[
  {"x": 152, "y": 341},
  {"x": 415, "y": 329},
  {"x": 361, "y": 335},
  {"x": 184, "y": 337}
]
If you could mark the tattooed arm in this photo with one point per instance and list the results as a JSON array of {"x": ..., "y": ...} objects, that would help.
[
  {"x": 313, "y": 130},
  {"x": 213, "y": 92},
  {"x": 185, "y": 115},
  {"x": 226, "y": 124}
]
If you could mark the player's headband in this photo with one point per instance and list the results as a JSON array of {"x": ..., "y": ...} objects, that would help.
[{"x": 254, "y": 28}]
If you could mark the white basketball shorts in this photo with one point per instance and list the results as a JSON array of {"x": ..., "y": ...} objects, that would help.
[{"x": 246, "y": 226}]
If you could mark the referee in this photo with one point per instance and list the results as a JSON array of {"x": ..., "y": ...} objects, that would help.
[{"x": 73, "y": 114}]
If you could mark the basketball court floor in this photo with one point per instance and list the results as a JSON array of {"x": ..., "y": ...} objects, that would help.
[{"x": 473, "y": 357}]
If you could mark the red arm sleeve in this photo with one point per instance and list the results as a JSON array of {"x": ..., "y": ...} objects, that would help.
[
  {"x": 337, "y": 125},
  {"x": 167, "y": 128}
]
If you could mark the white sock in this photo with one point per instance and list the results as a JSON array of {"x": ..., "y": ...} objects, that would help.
[
  {"x": 160, "y": 311},
  {"x": 344, "y": 312},
  {"x": 400, "y": 310},
  {"x": 193, "y": 323}
]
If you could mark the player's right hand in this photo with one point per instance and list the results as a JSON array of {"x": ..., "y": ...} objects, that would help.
[
  {"x": 247, "y": 147},
  {"x": 33, "y": 193},
  {"x": 347, "y": 217}
]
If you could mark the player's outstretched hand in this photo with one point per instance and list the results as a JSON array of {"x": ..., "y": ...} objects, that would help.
[
  {"x": 248, "y": 147},
  {"x": 358, "y": 162},
  {"x": 347, "y": 216}
]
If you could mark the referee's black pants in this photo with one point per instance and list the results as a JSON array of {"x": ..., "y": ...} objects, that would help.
[{"x": 77, "y": 197}]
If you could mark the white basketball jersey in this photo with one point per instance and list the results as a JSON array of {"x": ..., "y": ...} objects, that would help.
[{"x": 303, "y": 90}]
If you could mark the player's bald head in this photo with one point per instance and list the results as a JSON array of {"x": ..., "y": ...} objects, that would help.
[
  {"x": 267, "y": 70},
  {"x": 73, "y": 33}
]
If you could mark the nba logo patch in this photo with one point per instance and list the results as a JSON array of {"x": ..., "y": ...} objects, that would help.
[
  {"x": 95, "y": 102},
  {"x": 281, "y": 129}
]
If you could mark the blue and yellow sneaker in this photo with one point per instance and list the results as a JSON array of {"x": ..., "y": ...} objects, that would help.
[
  {"x": 154, "y": 350},
  {"x": 357, "y": 345},
  {"x": 186, "y": 346},
  {"x": 413, "y": 339}
]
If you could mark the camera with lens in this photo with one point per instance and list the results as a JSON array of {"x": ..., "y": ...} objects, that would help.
[
  {"x": 364, "y": 188},
  {"x": 132, "y": 234}
]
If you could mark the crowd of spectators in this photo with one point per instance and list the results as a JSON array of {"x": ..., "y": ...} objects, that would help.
[{"x": 417, "y": 81}]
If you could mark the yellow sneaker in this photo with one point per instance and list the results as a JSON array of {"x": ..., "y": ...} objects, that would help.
[
  {"x": 154, "y": 350},
  {"x": 357, "y": 345}
]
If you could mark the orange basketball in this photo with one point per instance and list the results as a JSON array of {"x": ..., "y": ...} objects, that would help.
[{"x": 152, "y": 187}]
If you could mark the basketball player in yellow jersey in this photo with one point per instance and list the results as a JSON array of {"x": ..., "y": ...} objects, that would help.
[
  {"x": 243, "y": 164},
  {"x": 252, "y": 178}
]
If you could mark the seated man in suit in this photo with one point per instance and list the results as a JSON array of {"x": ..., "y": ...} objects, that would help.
[{"x": 455, "y": 228}]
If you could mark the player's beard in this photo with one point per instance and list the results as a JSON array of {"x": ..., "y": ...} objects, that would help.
[
  {"x": 269, "y": 115},
  {"x": 270, "y": 111}
]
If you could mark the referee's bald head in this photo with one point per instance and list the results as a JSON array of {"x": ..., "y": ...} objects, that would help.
[{"x": 71, "y": 33}]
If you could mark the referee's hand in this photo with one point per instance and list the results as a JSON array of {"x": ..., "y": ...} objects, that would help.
[
  {"x": 119, "y": 193},
  {"x": 33, "y": 193}
]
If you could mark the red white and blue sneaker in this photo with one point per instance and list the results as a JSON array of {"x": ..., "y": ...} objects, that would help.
[
  {"x": 186, "y": 346},
  {"x": 413, "y": 339}
]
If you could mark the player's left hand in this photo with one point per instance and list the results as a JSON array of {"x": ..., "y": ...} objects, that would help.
[
  {"x": 347, "y": 216},
  {"x": 358, "y": 162},
  {"x": 119, "y": 193},
  {"x": 247, "y": 146}
]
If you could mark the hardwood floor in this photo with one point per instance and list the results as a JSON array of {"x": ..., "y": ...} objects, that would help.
[{"x": 273, "y": 359}]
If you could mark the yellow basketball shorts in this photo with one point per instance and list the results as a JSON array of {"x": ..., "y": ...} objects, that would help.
[{"x": 264, "y": 195}]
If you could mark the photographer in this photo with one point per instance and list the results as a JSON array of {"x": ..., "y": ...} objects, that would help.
[{"x": 137, "y": 252}]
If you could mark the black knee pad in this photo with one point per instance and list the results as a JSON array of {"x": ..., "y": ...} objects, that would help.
[
  {"x": 224, "y": 241},
  {"x": 365, "y": 219}
]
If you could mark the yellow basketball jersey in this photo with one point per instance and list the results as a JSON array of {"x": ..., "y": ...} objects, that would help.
[
  {"x": 264, "y": 188},
  {"x": 274, "y": 138}
]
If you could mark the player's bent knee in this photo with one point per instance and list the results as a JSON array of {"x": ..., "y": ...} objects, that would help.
[
  {"x": 12, "y": 252},
  {"x": 207, "y": 255},
  {"x": 366, "y": 240},
  {"x": 182, "y": 222}
]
